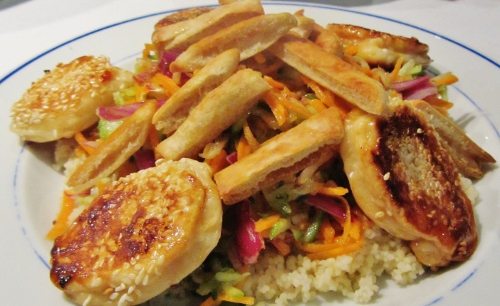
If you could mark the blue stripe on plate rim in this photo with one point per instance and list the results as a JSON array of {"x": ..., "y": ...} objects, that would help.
[{"x": 274, "y": 3}]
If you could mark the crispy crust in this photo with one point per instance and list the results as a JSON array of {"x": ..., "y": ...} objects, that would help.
[
  {"x": 177, "y": 108},
  {"x": 380, "y": 48},
  {"x": 331, "y": 72},
  {"x": 114, "y": 150},
  {"x": 468, "y": 156},
  {"x": 407, "y": 183},
  {"x": 281, "y": 156},
  {"x": 64, "y": 101},
  {"x": 182, "y": 34},
  {"x": 144, "y": 233},
  {"x": 259, "y": 33},
  {"x": 216, "y": 112}
]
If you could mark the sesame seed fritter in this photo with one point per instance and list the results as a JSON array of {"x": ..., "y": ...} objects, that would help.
[
  {"x": 129, "y": 233},
  {"x": 64, "y": 100}
]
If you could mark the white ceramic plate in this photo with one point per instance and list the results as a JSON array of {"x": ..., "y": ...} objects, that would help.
[{"x": 31, "y": 189}]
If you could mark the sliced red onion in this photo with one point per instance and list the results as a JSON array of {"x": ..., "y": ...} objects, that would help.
[
  {"x": 413, "y": 83},
  {"x": 166, "y": 58},
  {"x": 415, "y": 89},
  {"x": 232, "y": 158},
  {"x": 420, "y": 93},
  {"x": 328, "y": 204},
  {"x": 118, "y": 112},
  {"x": 247, "y": 241},
  {"x": 144, "y": 158}
]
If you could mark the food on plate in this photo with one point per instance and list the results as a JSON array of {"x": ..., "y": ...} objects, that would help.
[
  {"x": 259, "y": 33},
  {"x": 380, "y": 48},
  {"x": 331, "y": 72},
  {"x": 216, "y": 112},
  {"x": 63, "y": 101},
  {"x": 281, "y": 156},
  {"x": 140, "y": 235},
  {"x": 407, "y": 183},
  {"x": 305, "y": 25},
  {"x": 328, "y": 40},
  {"x": 113, "y": 151},
  {"x": 171, "y": 114},
  {"x": 180, "y": 35},
  {"x": 317, "y": 149},
  {"x": 467, "y": 155},
  {"x": 182, "y": 15}
]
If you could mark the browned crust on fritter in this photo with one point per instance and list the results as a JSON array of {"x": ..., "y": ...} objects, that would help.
[
  {"x": 468, "y": 156},
  {"x": 140, "y": 235},
  {"x": 408, "y": 47},
  {"x": 64, "y": 101},
  {"x": 408, "y": 184},
  {"x": 118, "y": 226},
  {"x": 444, "y": 212}
]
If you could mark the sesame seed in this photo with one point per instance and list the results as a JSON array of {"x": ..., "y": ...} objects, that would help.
[
  {"x": 87, "y": 300},
  {"x": 387, "y": 176}
]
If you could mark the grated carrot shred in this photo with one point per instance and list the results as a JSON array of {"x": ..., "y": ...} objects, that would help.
[
  {"x": 246, "y": 300},
  {"x": 272, "y": 82},
  {"x": 282, "y": 247},
  {"x": 218, "y": 162},
  {"x": 166, "y": 83},
  {"x": 242, "y": 148},
  {"x": 61, "y": 222},
  {"x": 327, "y": 231},
  {"x": 279, "y": 111},
  {"x": 209, "y": 302},
  {"x": 332, "y": 191},
  {"x": 438, "y": 103},
  {"x": 148, "y": 49},
  {"x": 82, "y": 142},
  {"x": 247, "y": 132},
  {"x": 337, "y": 250},
  {"x": 323, "y": 95},
  {"x": 318, "y": 105},
  {"x": 444, "y": 79},
  {"x": 266, "y": 222},
  {"x": 295, "y": 107},
  {"x": 397, "y": 68},
  {"x": 259, "y": 58}
]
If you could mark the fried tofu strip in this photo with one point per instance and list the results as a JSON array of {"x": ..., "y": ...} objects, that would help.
[
  {"x": 171, "y": 114},
  {"x": 282, "y": 155},
  {"x": 251, "y": 36},
  {"x": 179, "y": 36},
  {"x": 216, "y": 112},
  {"x": 114, "y": 150},
  {"x": 331, "y": 72},
  {"x": 467, "y": 155},
  {"x": 305, "y": 25},
  {"x": 182, "y": 16}
]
